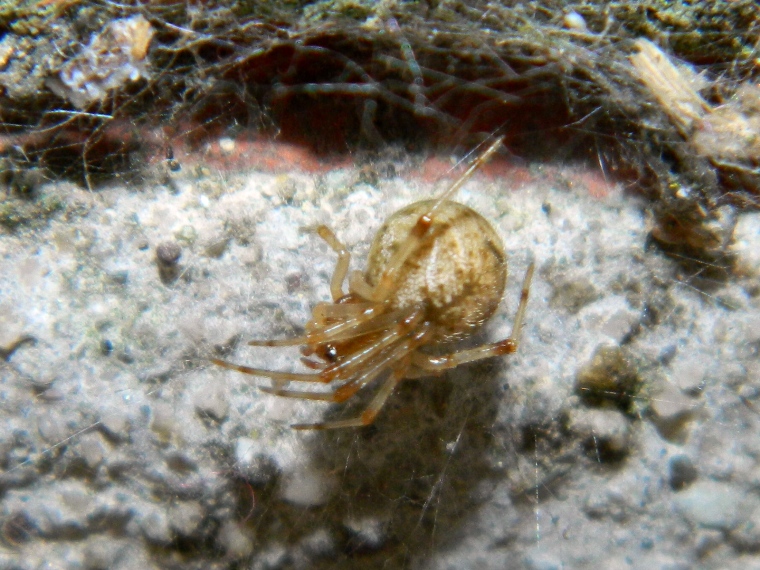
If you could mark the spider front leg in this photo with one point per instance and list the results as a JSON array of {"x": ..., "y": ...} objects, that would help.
[
  {"x": 341, "y": 267},
  {"x": 427, "y": 364}
]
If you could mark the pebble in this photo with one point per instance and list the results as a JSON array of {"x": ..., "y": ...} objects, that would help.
[
  {"x": 116, "y": 423},
  {"x": 746, "y": 536},
  {"x": 91, "y": 449},
  {"x": 574, "y": 21},
  {"x": 688, "y": 372},
  {"x": 227, "y": 145},
  {"x": 574, "y": 294},
  {"x": 672, "y": 411},
  {"x": 610, "y": 376},
  {"x": 319, "y": 544},
  {"x": 681, "y": 472},
  {"x": 367, "y": 533},
  {"x": 185, "y": 518},
  {"x": 154, "y": 523},
  {"x": 606, "y": 433},
  {"x": 744, "y": 245},
  {"x": 38, "y": 363},
  {"x": 168, "y": 254},
  {"x": 113, "y": 58},
  {"x": 212, "y": 403},
  {"x": 711, "y": 505},
  {"x": 235, "y": 541},
  {"x": 254, "y": 461},
  {"x": 51, "y": 427},
  {"x": 306, "y": 487}
]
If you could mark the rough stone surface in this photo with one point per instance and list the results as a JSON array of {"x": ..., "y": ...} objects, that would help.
[{"x": 122, "y": 447}]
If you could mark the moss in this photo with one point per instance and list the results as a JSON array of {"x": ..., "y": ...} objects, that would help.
[
  {"x": 32, "y": 213},
  {"x": 32, "y": 17},
  {"x": 610, "y": 379}
]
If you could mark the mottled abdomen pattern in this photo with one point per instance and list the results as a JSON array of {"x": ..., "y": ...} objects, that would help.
[{"x": 458, "y": 273}]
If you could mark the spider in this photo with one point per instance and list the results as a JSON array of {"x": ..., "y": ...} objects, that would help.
[{"x": 436, "y": 272}]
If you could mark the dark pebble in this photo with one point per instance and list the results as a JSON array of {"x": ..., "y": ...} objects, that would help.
[
  {"x": 682, "y": 472},
  {"x": 168, "y": 253}
]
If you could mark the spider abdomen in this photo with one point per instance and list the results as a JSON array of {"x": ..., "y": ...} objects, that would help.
[{"x": 458, "y": 273}]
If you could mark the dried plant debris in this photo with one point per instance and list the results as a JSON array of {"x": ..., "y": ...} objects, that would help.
[
  {"x": 114, "y": 57},
  {"x": 570, "y": 81},
  {"x": 726, "y": 135}
]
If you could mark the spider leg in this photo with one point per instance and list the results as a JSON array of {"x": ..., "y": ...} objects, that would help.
[
  {"x": 313, "y": 364},
  {"x": 372, "y": 319},
  {"x": 340, "y": 394},
  {"x": 369, "y": 415},
  {"x": 388, "y": 281},
  {"x": 273, "y": 374},
  {"x": 524, "y": 293},
  {"x": 360, "y": 359},
  {"x": 378, "y": 352},
  {"x": 438, "y": 363},
  {"x": 375, "y": 367},
  {"x": 325, "y": 312},
  {"x": 341, "y": 267}
]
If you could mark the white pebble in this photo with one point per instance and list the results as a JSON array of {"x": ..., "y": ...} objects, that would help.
[
  {"x": 607, "y": 428},
  {"x": 306, "y": 487},
  {"x": 185, "y": 518},
  {"x": 254, "y": 460},
  {"x": 226, "y": 145},
  {"x": 746, "y": 244},
  {"x": 574, "y": 21},
  {"x": 672, "y": 411},
  {"x": 712, "y": 505},
  {"x": 235, "y": 541},
  {"x": 52, "y": 428},
  {"x": 155, "y": 526},
  {"x": 91, "y": 449},
  {"x": 688, "y": 372},
  {"x": 212, "y": 402}
]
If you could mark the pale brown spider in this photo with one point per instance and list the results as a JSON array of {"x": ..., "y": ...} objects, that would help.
[{"x": 436, "y": 272}]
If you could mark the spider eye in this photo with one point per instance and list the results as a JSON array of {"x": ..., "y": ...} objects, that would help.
[{"x": 331, "y": 353}]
